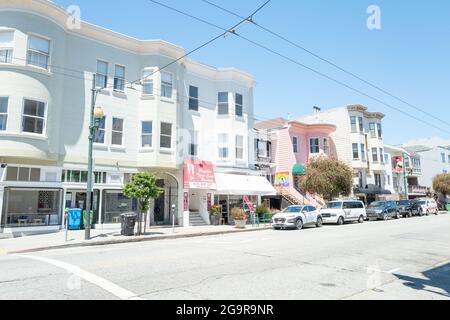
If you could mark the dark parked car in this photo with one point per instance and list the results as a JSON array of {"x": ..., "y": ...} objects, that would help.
[
  {"x": 409, "y": 208},
  {"x": 383, "y": 210}
]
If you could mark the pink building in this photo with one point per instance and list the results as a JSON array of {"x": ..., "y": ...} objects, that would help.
[{"x": 290, "y": 145}]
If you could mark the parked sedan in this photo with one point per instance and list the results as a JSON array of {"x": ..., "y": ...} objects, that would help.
[
  {"x": 429, "y": 206},
  {"x": 383, "y": 210},
  {"x": 409, "y": 208},
  {"x": 296, "y": 217}
]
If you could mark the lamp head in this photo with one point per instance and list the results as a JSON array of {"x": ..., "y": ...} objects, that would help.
[{"x": 98, "y": 113}]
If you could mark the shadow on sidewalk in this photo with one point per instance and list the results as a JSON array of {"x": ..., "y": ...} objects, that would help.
[{"x": 438, "y": 278}]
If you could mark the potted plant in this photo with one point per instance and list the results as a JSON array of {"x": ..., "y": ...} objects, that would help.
[
  {"x": 239, "y": 217},
  {"x": 215, "y": 212}
]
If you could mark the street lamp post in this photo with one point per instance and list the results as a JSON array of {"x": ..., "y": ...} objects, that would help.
[
  {"x": 96, "y": 114},
  {"x": 405, "y": 180},
  {"x": 173, "y": 217}
]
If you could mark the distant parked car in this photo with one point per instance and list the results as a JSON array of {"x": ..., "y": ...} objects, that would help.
[
  {"x": 383, "y": 210},
  {"x": 429, "y": 206},
  {"x": 296, "y": 217},
  {"x": 342, "y": 211},
  {"x": 409, "y": 208}
]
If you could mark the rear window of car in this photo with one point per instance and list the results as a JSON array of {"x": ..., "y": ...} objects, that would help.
[
  {"x": 334, "y": 205},
  {"x": 403, "y": 203},
  {"x": 293, "y": 209}
]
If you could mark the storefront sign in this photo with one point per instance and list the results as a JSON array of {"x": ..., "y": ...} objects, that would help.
[
  {"x": 186, "y": 201},
  {"x": 282, "y": 179},
  {"x": 249, "y": 204},
  {"x": 209, "y": 201},
  {"x": 199, "y": 175}
]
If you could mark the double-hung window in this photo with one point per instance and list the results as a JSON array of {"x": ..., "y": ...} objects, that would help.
[
  {"x": 295, "y": 144},
  {"x": 380, "y": 131},
  {"x": 99, "y": 136},
  {"x": 373, "y": 130},
  {"x": 147, "y": 134},
  {"x": 223, "y": 103},
  {"x": 3, "y": 113},
  {"x": 193, "y": 98},
  {"x": 166, "y": 85},
  {"x": 117, "y": 132},
  {"x": 147, "y": 82},
  {"x": 193, "y": 145},
  {"x": 363, "y": 152},
  {"x": 314, "y": 146},
  {"x": 375, "y": 154},
  {"x": 443, "y": 157},
  {"x": 101, "y": 78},
  {"x": 354, "y": 124},
  {"x": 38, "y": 52},
  {"x": 119, "y": 78},
  {"x": 223, "y": 146},
  {"x": 166, "y": 136},
  {"x": 6, "y": 46},
  {"x": 361, "y": 124},
  {"x": 262, "y": 148},
  {"x": 326, "y": 146},
  {"x": 240, "y": 147},
  {"x": 355, "y": 151},
  {"x": 239, "y": 101},
  {"x": 382, "y": 155},
  {"x": 448, "y": 160},
  {"x": 33, "y": 120}
]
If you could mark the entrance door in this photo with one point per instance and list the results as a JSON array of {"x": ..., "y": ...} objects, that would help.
[{"x": 160, "y": 209}]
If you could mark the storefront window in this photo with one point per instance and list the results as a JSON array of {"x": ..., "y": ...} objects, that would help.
[
  {"x": 115, "y": 203},
  {"x": 31, "y": 208}
]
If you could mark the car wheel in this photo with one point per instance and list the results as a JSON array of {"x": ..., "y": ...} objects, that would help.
[
  {"x": 385, "y": 217},
  {"x": 397, "y": 215},
  {"x": 361, "y": 219},
  {"x": 340, "y": 221},
  {"x": 299, "y": 224},
  {"x": 420, "y": 212},
  {"x": 319, "y": 223},
  {"x": 410, "y": 214},
  {"x": 437, "y": 212}
]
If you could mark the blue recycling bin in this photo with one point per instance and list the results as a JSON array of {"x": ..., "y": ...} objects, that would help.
[{"x": 74, "y": 219}]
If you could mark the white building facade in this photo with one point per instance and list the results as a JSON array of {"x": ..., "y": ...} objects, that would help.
[
  {"x": 46, "y": 73},
  {"x": 359, "y": 142}
]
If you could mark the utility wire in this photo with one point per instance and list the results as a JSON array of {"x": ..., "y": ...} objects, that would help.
[
  {"x": 309, "y": 68},
  {"x": 329, "y": 62}
]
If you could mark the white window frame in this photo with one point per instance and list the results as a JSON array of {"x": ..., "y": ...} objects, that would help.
[
  {"x": 222, "y": 104},
  {"x": 147, "y": 134},
  {"x": 48, "y": 55},
  {"x": 381, "y": 155},
  {"x": 97, "y": 74},
  {"x": 122, "y": 87},
  {"x": 262, "y": 152},
  {"x": 165, "y": 135},
  {"x": 104, "y": 136},
  {"x": 8, "y": 49},
  {"x": 310, "y": 145},
  {"x": 146, "y": 80},
  {"x": 240, "y": 147},
  {"x": 165, "y": 84},
  {"x": 223, "y": 145},
  {"x": 236, "y": 104},
  {"x": 357, "y": 150},
  {"x": 373, "y": 133},
  {"x": 373, "y": 155},
  {"x": 362, "y": 147},
  {"x": 44, "y": 125},
  {"x": 326, "y": 146},
  {"x": 192, "y": 98},
  {"x": 117, "y": 132},
  {"x": 379, "y": 129},
  {"x": 193, "y": 143},
  {"x": 355, "y": 128},
  {"x": 5, "y": 114},
  {"x": 295, "y": 145},
  {"x": 361, "y": 124}
]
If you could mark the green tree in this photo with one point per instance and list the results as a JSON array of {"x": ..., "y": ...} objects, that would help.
[
  {"x": 143, "y": 188},
  {"x": 328, "y": 177},
  {"x": 441, "y": 184}
]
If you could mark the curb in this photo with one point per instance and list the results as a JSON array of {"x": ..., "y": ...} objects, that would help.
[{"x": 143, "y": 239}]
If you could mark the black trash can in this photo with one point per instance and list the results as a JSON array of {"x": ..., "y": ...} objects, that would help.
[{"x": 128, "y": 222}]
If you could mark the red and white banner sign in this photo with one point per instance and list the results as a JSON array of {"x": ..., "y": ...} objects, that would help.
[
  {"x": 249, "y": 204},
  {"x": 186, "y": 201},
  {"x": 199, "y": 175}
]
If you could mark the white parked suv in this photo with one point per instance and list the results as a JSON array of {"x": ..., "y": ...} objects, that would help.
[
  {"x": 342, "y": 211},
  {"x": 429, "y": 206},
  {"x": 296, "y": 217}
]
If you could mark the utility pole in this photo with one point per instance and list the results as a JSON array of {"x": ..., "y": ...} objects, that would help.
[
  {"x": 95, "y": 116},
  {"x": 405, "y": 180}
]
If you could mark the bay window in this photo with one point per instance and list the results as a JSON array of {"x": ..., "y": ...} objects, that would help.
[
  {"x": 166, "y": 136},
  {"x": 99, "y": 135},
  {"x": 119, "y": 78},
  {"x": 375, "y": 154},
  {"x": 314, "y": 145},
  {"x": 146, "y": 134},
  {"x": 147, "y": 82},
  {"x": 223, "y": 146},
  {"x": 3, "y": 113},
  {"x": 117, "y": 132},
  {"x": 239, "y": 105},
  {"x": 38, "y": 52},
  {"x": 101, "y": 78},
  {"x": 166, "y": 85},
  {"x": 6, "y": 46},
  {"x": 355, "y": 151},
  {"x": 193, "y": 98},
  {"x": 223, "y": 103},
  {"x": 240, "y": 147}
]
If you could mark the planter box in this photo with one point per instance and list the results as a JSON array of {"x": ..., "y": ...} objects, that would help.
[{"x": 240, "y": 224}]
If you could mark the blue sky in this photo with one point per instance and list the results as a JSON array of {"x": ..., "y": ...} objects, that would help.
[{"x": 408, "y": 57}]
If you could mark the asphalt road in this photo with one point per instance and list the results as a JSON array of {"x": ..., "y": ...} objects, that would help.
[{"x": 404, "y": 259}]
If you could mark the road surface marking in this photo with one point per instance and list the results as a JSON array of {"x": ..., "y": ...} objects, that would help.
[
  {"x": 394, "y": 271},
  {"x": 106, "y": 285}
]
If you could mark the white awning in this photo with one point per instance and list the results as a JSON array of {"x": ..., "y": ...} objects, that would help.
[{"x": 234, "y": 184}]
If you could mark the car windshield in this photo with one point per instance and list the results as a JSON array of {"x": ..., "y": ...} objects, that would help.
[
  {"x": 422, "y": 203},
  {"x": 403, "y": 203},
  {"x": 334, "y": 205},
  {"x": 377, "y": 204},
  {"x": 293, "y": 210}
]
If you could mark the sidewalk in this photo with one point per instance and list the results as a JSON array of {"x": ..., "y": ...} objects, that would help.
[{"x": 98, "y": 237}]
